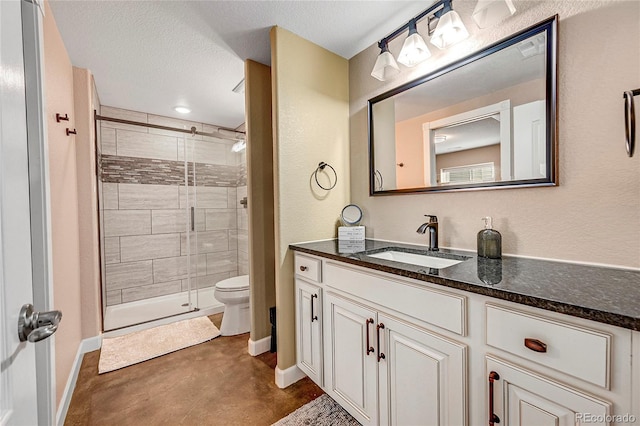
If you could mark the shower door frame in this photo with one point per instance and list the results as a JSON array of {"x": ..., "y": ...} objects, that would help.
[{"x": 191, "y": 223}]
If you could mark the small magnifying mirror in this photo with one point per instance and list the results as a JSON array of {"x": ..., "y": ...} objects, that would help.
[{"x": 351, "y": 215}]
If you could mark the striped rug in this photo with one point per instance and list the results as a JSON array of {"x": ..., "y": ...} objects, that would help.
[{"x": 322, "y": 411}]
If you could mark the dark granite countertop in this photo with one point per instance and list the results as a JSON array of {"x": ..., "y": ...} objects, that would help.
[{"x": 606, "y": 295}]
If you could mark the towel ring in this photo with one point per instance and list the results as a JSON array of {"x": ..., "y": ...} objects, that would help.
[
  {"x": 321, "y": 167},
  {"x": 379, "y": 182},
  {"x": 630, "y": 120}
]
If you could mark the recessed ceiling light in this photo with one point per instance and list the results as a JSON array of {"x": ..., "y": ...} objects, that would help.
[{"x": 182, "y": 110}]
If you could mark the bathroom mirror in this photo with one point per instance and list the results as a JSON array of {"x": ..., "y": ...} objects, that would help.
[{"x": 485, "y": 121}]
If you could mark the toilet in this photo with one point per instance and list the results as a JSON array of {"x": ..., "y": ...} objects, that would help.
[{"x": 234, "y": 293}]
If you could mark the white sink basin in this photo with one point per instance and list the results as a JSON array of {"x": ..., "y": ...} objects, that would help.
[{"x": 416, "y": 259}]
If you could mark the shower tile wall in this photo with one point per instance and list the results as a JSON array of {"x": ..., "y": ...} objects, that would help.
[{"x": 144, "y": 208}]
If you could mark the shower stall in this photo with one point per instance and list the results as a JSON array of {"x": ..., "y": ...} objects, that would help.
[{"x": 173, "y": 218}]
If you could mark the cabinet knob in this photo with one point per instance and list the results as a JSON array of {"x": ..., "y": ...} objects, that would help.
[
  {"x": 535, "y": 345},
  {"x": 303, "y": 268}
]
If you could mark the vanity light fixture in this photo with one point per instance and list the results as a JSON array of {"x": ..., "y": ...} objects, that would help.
[
  {"x": 385, "y": 65},
  {"x": 414, "y": 50},
  {"x": 182, "y": 109},
  {"x": 490, "y": 12},
  {"x": 449, "y": 29}
]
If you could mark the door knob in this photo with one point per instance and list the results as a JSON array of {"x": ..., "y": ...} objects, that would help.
[{"x": 35, "y": 326}]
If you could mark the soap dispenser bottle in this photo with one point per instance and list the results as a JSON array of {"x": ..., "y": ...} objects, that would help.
[{"x": 489, "y": 241}]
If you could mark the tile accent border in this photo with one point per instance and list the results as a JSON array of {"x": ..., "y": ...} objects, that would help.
[{"x": 121, "y": 169}]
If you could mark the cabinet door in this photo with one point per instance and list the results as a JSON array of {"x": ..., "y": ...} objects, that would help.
[
  {"x": 522, "y": 397},
  {"x": 422, "y": 377},
  {"x": 351, "y": 358},
  {"x": 309, "y": 330}
]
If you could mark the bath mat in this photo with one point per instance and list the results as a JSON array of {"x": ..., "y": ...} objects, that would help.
[
  {"x": 322, "y": 411},
  {"x": 123, "y": 351}
]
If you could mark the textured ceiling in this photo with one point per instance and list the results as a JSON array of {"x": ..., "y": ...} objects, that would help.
[{"x": 153, "y": 55}]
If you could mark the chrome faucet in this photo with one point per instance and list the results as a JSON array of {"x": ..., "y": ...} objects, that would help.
[{"x": 432, "y": 226}]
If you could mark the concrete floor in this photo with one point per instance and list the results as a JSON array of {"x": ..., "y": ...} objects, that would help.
[{"x": 214, "y": 383}]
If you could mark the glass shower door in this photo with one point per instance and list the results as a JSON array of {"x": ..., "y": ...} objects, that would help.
[
  {"x": 195, "y": 265},
  {"x": 149, "y": 252}
]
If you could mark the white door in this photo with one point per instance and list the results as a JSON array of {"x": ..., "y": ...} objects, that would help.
[
  {"x": 529, "y": 141},
  {"x": 422, "y": 377},
  {"x": 18, "y": 391},
  {"x": 309, "y": 330},
  {"x": 351, "y": 360}
]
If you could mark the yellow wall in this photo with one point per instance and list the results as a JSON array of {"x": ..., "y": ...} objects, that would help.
[
  {"x": 85, "y": 102},
  {"x": 260, "y": 195},
  {"x": 64, "y": 201},
  {"x": 594, "y": 215},
  {"x": 310, "y": 90}
]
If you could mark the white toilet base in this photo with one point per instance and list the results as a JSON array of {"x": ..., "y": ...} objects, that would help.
[
  {"x": 236, "y": 319},
  {"x": 234, "y": 293}
]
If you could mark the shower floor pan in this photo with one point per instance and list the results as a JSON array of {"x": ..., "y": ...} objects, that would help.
[{"x": 165, "y": 308}]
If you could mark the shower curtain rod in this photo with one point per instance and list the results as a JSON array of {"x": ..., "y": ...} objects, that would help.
[{"x": 193, "y": 130}]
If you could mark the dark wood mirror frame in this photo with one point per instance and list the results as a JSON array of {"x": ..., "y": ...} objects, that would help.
[{"x": 549, "y": 28}]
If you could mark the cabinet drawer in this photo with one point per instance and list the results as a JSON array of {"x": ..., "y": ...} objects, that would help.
[
  {"x": 442, "y": 309},
  {"x": 577, "y": 351},
  {"x": 308, "y": 267}
]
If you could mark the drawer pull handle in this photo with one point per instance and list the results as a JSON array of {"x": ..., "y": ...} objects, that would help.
[
  {"x": 493, "y": 418},
  {"x": 303, "y": 268},
  {"x": 378, "y": 328},
  {"x": 313, "y": 317},
  {"x": 369, "y": 347},
  {"x": 535, "y": 345}
]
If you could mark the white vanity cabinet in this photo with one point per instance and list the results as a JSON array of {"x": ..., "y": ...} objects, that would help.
[
  {"x": 387, "y": 370},
  {"x": 396, "y": 351},
  {"x": 308, "y": 301}
]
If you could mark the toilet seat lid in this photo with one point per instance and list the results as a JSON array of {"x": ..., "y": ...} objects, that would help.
[{"x": 233, "y": 284}]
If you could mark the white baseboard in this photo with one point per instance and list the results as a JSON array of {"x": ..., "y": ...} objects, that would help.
[
  {"x": 258, "y": 347},
  {"x": 87, "y": 345},
  {"x": 289, "y": 376}
]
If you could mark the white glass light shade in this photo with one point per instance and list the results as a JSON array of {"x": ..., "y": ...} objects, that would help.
[
  {"x": 414, "y": 50},
  {"x": 450, "y": 30},
  {"x": 385, "y": 66},
  {"x": 490, "y": 12}
]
